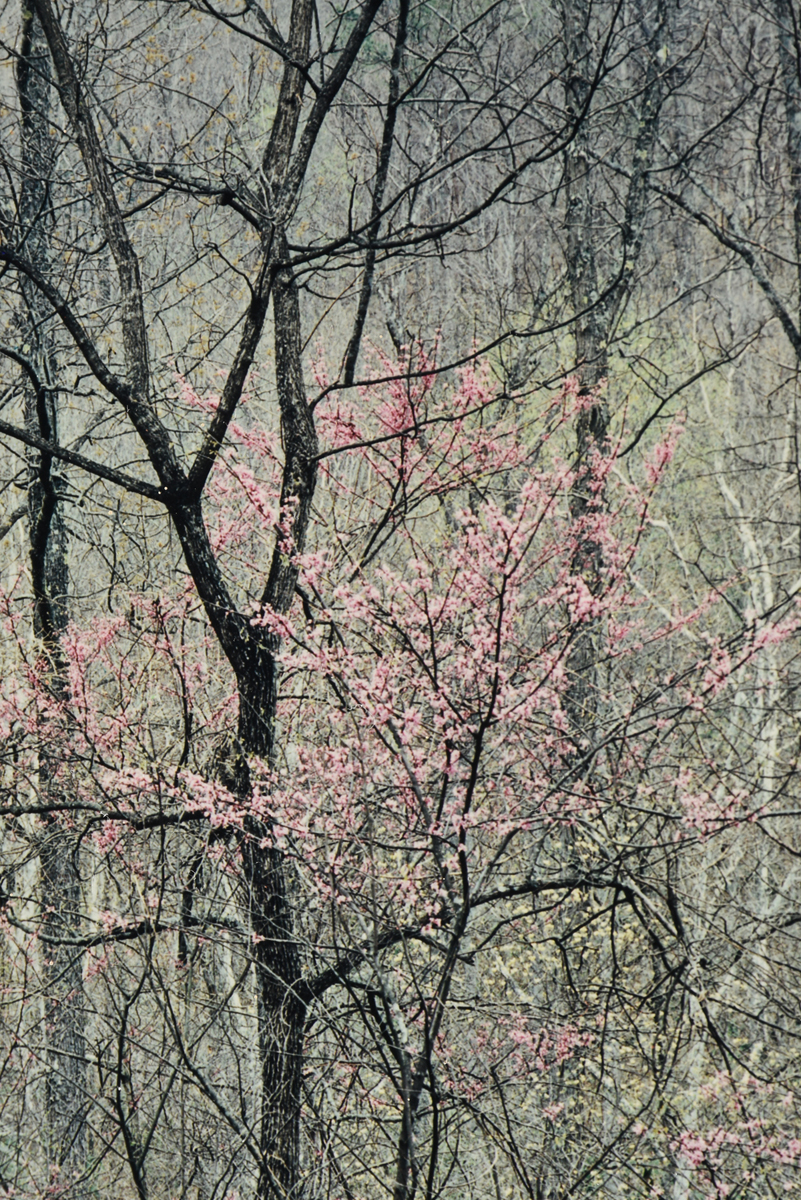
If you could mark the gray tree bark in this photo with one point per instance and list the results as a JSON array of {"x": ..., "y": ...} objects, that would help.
[
  {"x": 597, "y": 302},
  {"x": 62, "y": 965}
]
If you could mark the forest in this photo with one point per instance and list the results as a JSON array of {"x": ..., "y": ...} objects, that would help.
[{"x": 400, "y": 586}]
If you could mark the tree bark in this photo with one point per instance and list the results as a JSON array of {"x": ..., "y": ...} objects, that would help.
[
  {"x": 382, "y": 174},
  {"x": 282, "y": 1003},
  {"x": 62, "y": 965},
  {"x": 590, "y": 337},
  {"x": 596, "y": 306},
  {"x": 789, "y": 34}
]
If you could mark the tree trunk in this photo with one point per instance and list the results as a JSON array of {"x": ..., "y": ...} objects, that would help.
[
  {"x": 596, "y": 304},
  {"x": 789, "y": 35},
  {"x": 65, "y": 1075},
  {"x": 590, "y": 334},
  {"x": 281, "y": 995}
]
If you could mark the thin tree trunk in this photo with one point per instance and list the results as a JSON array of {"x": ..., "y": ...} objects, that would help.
[
  {"x": 384, "y": 158},
  {"x": 590, "y": 335},
  {"x": 789, "y": 33},
  {"x": 596, "y": 304},
  {"x": 65, "y": 1078}
]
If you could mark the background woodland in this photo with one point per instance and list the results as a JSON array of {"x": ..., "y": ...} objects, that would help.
[{"x": 400, "y": 504}]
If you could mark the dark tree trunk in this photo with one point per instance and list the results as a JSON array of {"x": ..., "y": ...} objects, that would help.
[
  {"x": 384, "y": 158},
  {"x": 62, "y": 964},
  {"x": 282, "y": 1001},
  {"x": 789, "y": 33},
  {"x": 282, "y": 1013}
]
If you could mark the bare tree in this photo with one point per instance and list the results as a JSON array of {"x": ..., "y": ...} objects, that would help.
[
  {"x": 103, "y": 300},
  {"x": 404, "y": 792}
]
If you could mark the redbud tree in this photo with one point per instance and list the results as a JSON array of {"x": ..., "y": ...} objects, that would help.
[{"x": 429, "y": 937}]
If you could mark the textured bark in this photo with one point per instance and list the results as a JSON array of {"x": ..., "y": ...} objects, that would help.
[
  {"x": 282, "y": 1004},
  {"x": 596, "y": 304},
  {"x": 789, "y": 34},
  {"x": 282, "y": 1014},
  {"x": 590, "y": 331},
  {"x": 66, "y": 1096},
  {"x": 287, "y": 116},
  {"x": 62, "y": 965}
]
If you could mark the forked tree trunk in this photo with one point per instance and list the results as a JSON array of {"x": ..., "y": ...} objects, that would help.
[
  {"x": 281, "y": 996},
  {"x": 251, "y": 651}
]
